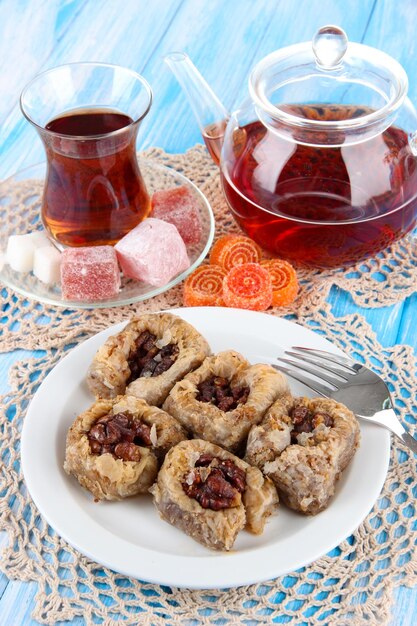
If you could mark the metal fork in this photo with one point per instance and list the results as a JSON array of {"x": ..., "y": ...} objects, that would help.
[{"x": 348, "y": 382}]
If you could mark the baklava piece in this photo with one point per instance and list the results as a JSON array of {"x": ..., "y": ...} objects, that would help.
[
  {"x": 147, "y": 358},
  {"x": 222, "y": 399},
  {"x": 115, "y": 448},
  {"x": 211, "y": 495},
  {"x": 304, "y": 445}
]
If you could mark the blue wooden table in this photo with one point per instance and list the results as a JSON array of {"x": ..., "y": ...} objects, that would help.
[{"x": 224, "y": 38}]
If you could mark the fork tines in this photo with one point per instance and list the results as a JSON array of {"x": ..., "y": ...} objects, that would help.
[
  {"x": 315, "y": 363},
  {"x": 322, "y": 390},
  {"x": 335, "y": 359}
]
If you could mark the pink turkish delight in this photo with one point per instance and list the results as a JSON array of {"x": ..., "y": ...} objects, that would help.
[
  {"x": 89, "y": 274},
  {"x": 153, "y": 252},
  {"x": 180, "y": 207}
]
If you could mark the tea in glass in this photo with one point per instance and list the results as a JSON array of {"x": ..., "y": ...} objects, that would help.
[{"x": 94, "y": 192}]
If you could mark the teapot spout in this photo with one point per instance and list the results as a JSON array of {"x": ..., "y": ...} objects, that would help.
[{"x": 211, "y": 115}]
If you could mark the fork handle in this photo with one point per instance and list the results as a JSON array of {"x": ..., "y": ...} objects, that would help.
[
  {"x": 388, "y": 418},
  {"x": 409, "y": 441}
]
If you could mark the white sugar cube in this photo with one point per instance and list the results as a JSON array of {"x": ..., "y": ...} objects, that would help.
[
  {"x": 47, "y": 264},
  {"x": 21, "y": 249},
  {"x": 40, "y": 239}
]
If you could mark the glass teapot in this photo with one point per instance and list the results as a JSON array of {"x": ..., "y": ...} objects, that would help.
[{"x": 319, "y": 165}]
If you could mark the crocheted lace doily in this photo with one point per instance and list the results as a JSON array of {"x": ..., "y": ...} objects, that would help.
[{"x": 351, "y": 585}]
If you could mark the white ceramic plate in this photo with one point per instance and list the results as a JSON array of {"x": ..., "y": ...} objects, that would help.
[{"x": 128, "y": 536}]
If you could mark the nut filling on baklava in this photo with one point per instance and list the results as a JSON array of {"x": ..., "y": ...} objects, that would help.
[
  {"x": 114, "y": 448},
  {"x": 120, "y": 435},
  {"x": 305, "y": 420},
  {"x": 147, "y": 358},
  {"x": 224, "y": 397},
  {"x": 303, "y": 445},
  {"x": 211, "y": 494},
  {"x": 216, "y": 484},
  {"x": 229, "y": 442},
  {"x": 221, "y": 393}
]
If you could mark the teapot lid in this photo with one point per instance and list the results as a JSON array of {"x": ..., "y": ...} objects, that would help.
[{"x": 329, "y": 70}]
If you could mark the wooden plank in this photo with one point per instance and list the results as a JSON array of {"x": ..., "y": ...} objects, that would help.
[
  {"x": 88, "y": 38},
  {"x": 47, "y": 22},
  {"x": 404, "y": 607},
  {"x": 4, "y": 581},
  {"x": 407, "y": 329},
  {"x": 230, "y": 36},
  {"x": 392, "y": 29},
  {"x": 124, "y": 34},
  {"x": 17, "y": 605},
  {"x": 196, "y": 28},
  {"x": 231, "y": 83},
  {"x": 385, "y": 321},
  {"x": 225, "y": 40}
]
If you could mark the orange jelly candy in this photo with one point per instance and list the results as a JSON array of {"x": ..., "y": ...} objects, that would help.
[
  {"x": 248, "y": 286},
  {"x": 284, "y": 281},
  {"x": 204, "y": 287},
  {"x": 232, "y": 250}
]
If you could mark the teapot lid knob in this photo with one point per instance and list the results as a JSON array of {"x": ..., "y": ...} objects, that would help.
[{"x": 329, "y": 46}]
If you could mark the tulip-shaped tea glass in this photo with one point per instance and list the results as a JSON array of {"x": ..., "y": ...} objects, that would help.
[{"x": 88, "y": 116}]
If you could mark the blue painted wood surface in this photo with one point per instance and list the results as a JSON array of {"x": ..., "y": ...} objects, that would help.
[{"x": 224, "y": 38}]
